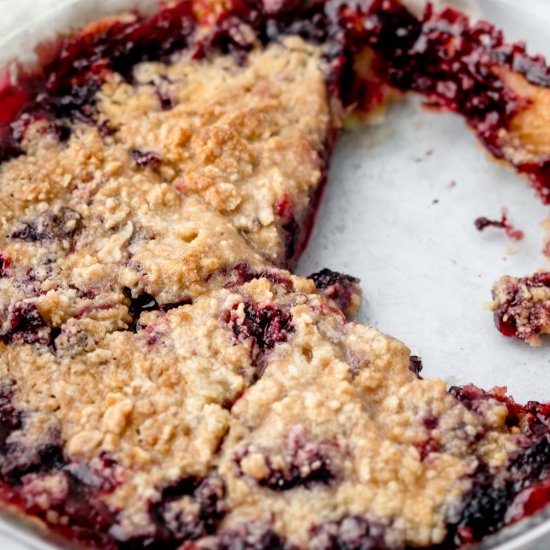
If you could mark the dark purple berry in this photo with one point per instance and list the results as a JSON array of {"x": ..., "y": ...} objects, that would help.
[
  {"x": 251, "y": 536},
  {"x": 26, "y": 325},
  {"x": 340, "y": 288},
  {"x": 277, "y": 279},
  {"x": 86, "y": 517},
  {"x": 166, "y": 102},
  {"x": 82, "y": 505},
  {"x": 11, "y": 419},
  {"x": 143, "y": 302},
  {"x": 490, "y": 504},
  {"x": 19, "y": 460},
  {"x": 292, "y": 232},
  {"x": 105, "y": 129},
  {"x": 266, "y": 326},
  {"x": 531, "y": 465},
  {"x": 326, "y": 278},
  {"x": 415, "y": 365},
  {"x": 430, "y": 444},
  {"x": 27, "y": 233},
  {"x": 63, "y": 132},
  {"x": 242, "y": 274},
  {"x": 483, "y": 510},
  {"x": 430, "y": 422},
  {"x": 533, "y": 418},
  {"x": 350, "y": 533},
  {"x": 5, "y": 263}
]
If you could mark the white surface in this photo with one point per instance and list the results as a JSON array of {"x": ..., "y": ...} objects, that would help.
[{"x": 426, "y": 271}]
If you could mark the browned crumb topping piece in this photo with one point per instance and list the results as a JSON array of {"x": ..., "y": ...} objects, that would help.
[
  {"x": 97, "y": 227},
  {"x": 522, "y": 306}
]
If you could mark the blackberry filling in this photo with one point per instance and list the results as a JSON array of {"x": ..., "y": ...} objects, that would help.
[
  {"x": 522, "y": 306},
  {"x": 27, "y": 326},
  {"x": 439, "y": 55},
  {"x": 517, "y": 490},
  {"x": 242, "y": 274},
  {"x": 255, "y": 536},
  {"x": 515, "y": 234},
  {"x": 343, "y": 290},
  {"x": 11, "y": 419},
  {"x": 142, "y": 303},
  {"x": 5, "y": 263},
  {"x": 59, "y": 224},
  {"x": 43, "y": 482},
  {"x": 66, "y": 86},
  {"x": 415, "y": 365},
  {"x": 145, "y": 159}
]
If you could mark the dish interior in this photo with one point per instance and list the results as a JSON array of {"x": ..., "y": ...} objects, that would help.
[{"x": 419, "y": 181}]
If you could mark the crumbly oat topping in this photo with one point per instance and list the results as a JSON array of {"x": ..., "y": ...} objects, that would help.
[
  {"x": 248, "y": 140},
  {"x": 84, "y": 232},
  {"x": 331, "y": 413}
]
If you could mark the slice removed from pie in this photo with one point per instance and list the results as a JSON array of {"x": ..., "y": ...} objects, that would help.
[{"x": 164, "y": 383}]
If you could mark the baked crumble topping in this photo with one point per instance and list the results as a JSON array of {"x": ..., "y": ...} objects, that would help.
[
  {"x": 262, "y": 398},
  {"x": 163, "y": 381}
]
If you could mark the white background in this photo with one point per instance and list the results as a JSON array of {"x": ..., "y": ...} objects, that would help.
[{"x": 426, "y": 271}]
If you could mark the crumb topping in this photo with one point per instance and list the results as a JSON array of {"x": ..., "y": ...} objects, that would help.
[{"x": 239, "y": 137}]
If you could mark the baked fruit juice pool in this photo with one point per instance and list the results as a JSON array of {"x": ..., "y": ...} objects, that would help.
[{"x": 166, "y": 382}]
